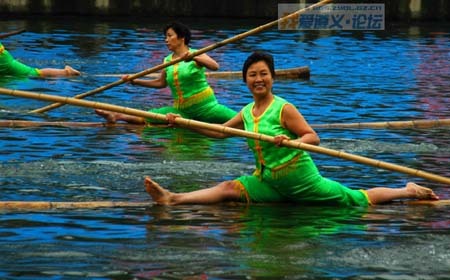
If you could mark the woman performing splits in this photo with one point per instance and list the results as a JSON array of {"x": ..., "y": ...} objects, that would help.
[
  {"x": 193, "y": 96},
  {"x": 282, "y": 174}
]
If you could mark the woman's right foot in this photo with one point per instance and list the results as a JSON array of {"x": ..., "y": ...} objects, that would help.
[
  {"x": 71, "y": 72},
  {"x": 110, "y": 117}
]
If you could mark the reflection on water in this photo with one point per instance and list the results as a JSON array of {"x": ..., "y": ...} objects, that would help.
[{"x": 400, "y": 74}]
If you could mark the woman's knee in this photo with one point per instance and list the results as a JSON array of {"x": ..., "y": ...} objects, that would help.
[{"x": 233, "y": 189}]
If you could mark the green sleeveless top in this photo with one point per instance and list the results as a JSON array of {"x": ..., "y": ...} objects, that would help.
[
  {"x": 268, "y": 155},
  {"x": 187, "y": 82}
]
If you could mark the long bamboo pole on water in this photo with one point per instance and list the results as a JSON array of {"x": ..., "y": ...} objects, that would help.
[
  {"x": 55, "y": 205},
  {"x": 389, "y": 124},
  {"x": 25, "y": 124},
  {"x": 230, "y": 131},
  {"x": 198, "y": 52},
  {"x": 47, "y": 205},
  {"x": 415, "y": 124}
]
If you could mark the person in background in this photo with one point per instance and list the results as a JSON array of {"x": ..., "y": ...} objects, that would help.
[
  {"x": 282, "y": 174},
  {"x": 192, "y": 95},
  {"x": 9, "y": 66}
]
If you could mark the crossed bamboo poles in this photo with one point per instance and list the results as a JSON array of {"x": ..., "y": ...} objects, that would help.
[
  {"x": 191, "y": 123},
  {"x": 193, "y": 54},
  {"x": 231, "y": 131},
  {"x": 48, "y": 205},
  {"x": 43, "y": 205}
]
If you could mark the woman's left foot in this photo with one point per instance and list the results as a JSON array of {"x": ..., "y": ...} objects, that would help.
[
  {"x": 110, "y": 117},
  {"x": 158, "y": 193}
]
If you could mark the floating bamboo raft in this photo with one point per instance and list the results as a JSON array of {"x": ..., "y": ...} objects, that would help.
[
  {"x": 302, "y": 72},
  {"x": 55, "y": 205}
]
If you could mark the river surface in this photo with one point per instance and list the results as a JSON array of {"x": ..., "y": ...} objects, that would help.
[{"x": 400, "y": 74}]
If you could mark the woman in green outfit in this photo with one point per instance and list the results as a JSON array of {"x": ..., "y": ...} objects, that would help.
[
  {"x": 282, "y": 174},
  {"x": 193, "y": 96},
  {"x": 9, "y": 66}
]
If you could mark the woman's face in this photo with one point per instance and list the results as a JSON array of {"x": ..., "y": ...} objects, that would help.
[
  {"x": 259, "y": 79},
  {"x": 172, "y": 40}
]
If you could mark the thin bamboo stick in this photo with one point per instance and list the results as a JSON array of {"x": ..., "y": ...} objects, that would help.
[
  {"x": 198, "y": 52},
  {"x": 25, "y": 124},
  {"x": 289, "y": 73},
  {"x": 391, "y": 124},
  {"x": 230, "y": 131},
  {"x": 47, "y": 205},
  {"x": 55, "y": 205},
  {"x": 442, "y": 202},
  {"x": 15, "y": 32},
  {"x": 416, "y": 124}
]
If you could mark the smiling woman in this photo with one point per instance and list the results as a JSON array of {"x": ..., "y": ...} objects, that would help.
[{"x": 282, "y": 174}]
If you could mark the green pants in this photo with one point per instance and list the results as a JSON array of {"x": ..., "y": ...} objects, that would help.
[
  {"x": 12, "y": 67},
  {"x": 303, "y": 184},
  {"x": 211, "y": 112}
]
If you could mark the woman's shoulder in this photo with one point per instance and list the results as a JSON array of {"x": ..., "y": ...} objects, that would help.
[{"x": 281, "y": 100}]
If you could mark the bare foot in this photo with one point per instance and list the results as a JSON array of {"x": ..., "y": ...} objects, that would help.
[
  {"x": 420, "y": 192},
  {"x": 110, "y": 117},
  {"x": 158, "y": 194},
  {"x": 71, "y": 72}
]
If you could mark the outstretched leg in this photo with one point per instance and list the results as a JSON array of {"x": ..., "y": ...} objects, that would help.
[
  {"x": 225, "y": 191},
  {"x": 53, "y": 72},
  {"x": 113, "y": 117},
  {"x": 411, "y": 190}
]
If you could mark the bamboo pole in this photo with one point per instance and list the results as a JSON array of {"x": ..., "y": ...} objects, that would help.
[
  {"x": 416, "y": 124},
  {"x": 25, "y": 124},
  {"x": 198, "y": 52},
  {"x": 442, "y": 202},
  {"x": 390, "y": 124},
  {"x": 230, "y": 131},
  {"x": 55, "y": 205},
  {"x": 15, "y": 32},
  {"x": 47, "y": 205},
  {"x": 302, "y": 72}
]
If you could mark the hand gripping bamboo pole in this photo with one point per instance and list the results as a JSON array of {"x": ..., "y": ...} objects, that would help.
[
  {"x": 198, "y": 52},
  {"x": 230, "y": 131}
]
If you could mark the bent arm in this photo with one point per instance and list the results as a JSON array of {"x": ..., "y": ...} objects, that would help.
[
  {"x": 159, "y": 82},
  {"x": 294, "y": 121},
  {"x": 206, "y": 61}
]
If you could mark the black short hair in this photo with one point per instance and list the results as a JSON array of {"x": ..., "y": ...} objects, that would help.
[
  {"x": 180, "y": 29},
  {"x": 256, "y": 57}
]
